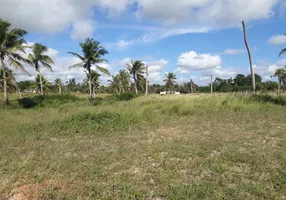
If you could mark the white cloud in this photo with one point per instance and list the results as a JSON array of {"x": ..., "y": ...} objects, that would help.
[
  {"x": 233, "y": 51},
  {"x": 192, "y": 61},
  {"x": 277, "y": 39},
  {"x": 82, "y": 29}
]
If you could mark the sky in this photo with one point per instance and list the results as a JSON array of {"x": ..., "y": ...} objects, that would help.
[{"x": 192, "y": 38}]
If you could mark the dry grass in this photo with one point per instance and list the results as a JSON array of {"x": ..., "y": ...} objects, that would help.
[{"x": 174, "y": 147}]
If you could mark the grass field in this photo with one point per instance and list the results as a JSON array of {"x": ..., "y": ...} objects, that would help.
[{"x": 224, "y": 146}]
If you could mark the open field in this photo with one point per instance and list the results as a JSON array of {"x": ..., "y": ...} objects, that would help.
[{"x": 225, "y": 146}]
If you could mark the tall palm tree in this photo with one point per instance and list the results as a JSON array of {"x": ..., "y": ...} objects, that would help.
[
  {"x": 39, "y": 58},
  {"x": 95, "y": 82},
  {"x": 92, "y": 52},
  {"x": 283, "y": 50},
  {"x": 11, "y": 47},
  {"x": 281, "y": 74},
  {"x": 170, "y": 80},
  {"x": 59, "y": 83},
  {"x": 136, "y": 68}
]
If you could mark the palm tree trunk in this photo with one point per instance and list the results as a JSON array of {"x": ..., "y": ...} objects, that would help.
[
  {"x": 41, "y": 83},
  {"x": 93, "y": 91},
  {"x": 135, "y": 84},
  {"x": 146, "y": 91},
  {"x": 6, "y": 100},
  {"x": 90, "y": 87},
  {"x": 279, "y": 84},
  {"x": 211, "y": 84},
  {"x": 60, "y": 90},
  {"x": 250, "y": 58}
]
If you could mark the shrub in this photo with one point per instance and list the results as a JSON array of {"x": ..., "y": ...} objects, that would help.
[
  {"x": 27, "y": 102},
  {"x": 97, "y": 101},
  {"x": 126, "y": 96}
]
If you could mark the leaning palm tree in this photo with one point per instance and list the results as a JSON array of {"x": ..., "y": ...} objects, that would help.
[
  {"x": 59, "y": 83},
  {"x": 170, "y": 80},
  {"x": 283, "y": 50},
  {"x": 95, "y": 82},
  {"x": 92, "y": 52},
  {"x": 38, "y": 58},
  {"x": 124, "y": 77},
  {"x": 136, "y": 68},
  {"x": 281, "y": 74},
  {"x": 11, "y": 47}
]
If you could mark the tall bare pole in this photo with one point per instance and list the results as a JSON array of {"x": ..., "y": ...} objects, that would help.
[
  {"x": 211, "y": 84},
  {"x": 249, "y": 56},
  {"x": 192, "y": 89},
  {"x": 147, "y": 73}
]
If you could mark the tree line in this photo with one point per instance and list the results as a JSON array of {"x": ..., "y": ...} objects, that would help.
[{"x": 132, "y": 79}]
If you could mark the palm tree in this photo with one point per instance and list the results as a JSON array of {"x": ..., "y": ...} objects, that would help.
[
  {"x": 92, "y": 52},
  {"x": 282, "y": 51},
  {"x": 281, "y": 74},
  {"x": 41, "y": 83},
  {"x": 10, "y": 79},
  {"x": 124, "y": 77},
  {"x": 170, "y": 80},
  {"x": 59, "y": 83},
  {"x": 95, "y": 82},
  {"x": 39, "y": 58},
  {"x": 11, "y": 46},
  {"x": 115, "y": 84},
  {"x": 136, "y": 68}
]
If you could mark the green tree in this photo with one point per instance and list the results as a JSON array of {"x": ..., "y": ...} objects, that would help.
[
  {"x": 136, "y": 68},
  {"x": 95, "y": 82},
  {"x": 124, "y": 77},
  {"x": 280, "y": 74},
  {"x": 170, "y": 80},
  {"x": 39, "y": 58},
  {"x": 115, "y": 84},
  {"x": 59, "y": 83},
  {"x": 11, "y": 47},
  {"x": 41, "y": 83},
  {"x": 10, "y": 80},
  {"x": 92, "y": 55}
]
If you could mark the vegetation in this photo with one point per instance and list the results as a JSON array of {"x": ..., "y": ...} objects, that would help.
[
  {"x": 137, "y": 69},
  {"x": 11, "y": 46},
  {"x": 175, "y": 147},
  {"x": 39, "y": 58},
  {"x": 92, "y": 55},
  {"x": 170, "y": 80}
]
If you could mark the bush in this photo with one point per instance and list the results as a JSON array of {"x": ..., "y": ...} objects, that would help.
[
  {"x": 27, "y": 102},
  {"x": 97, "y": 101},
  {"x": 127, "y": 96},
  {"x": 30, "y": 102}
]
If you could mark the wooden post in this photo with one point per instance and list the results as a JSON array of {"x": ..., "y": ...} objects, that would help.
[
  {"x": 211, "y": 84},
  {"x": 147, "y": 73},
  {"x": 250, "y": 58},
  {"x": 192, "y": 89}
]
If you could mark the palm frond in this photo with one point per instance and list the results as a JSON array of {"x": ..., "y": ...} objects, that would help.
[
  {"x": 46, "y": 65},
  {"x": 76, "y": 65},
  {"x": 103, "y": 70},
  {"x": 13, "y": 62},
  {"x": 77, "y": 55},
  {"x": 282, "y": 52}
]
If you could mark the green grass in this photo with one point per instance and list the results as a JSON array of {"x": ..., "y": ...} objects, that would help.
[{"x": 225, "y": 146}]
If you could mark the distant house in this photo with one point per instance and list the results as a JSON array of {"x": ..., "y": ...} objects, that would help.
[{"x": 30, "y": 91}]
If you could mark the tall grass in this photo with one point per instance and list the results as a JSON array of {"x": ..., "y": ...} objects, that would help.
[{"x": 222, "y": 146}]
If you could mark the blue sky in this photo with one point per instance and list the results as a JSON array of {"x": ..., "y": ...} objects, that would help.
[{"x": 193, "y": 38}]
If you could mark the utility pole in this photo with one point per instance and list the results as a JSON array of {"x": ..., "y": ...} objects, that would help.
[
  {"x": 147, "y": 82},
  {"x": 250, "y": 58},
  {"x": 211, "y": 84}
]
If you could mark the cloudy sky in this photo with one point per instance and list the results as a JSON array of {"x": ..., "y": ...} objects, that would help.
[{"x": 193, "y": 38}]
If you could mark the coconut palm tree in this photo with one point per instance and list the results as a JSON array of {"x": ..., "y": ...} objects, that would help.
[
  {"x": 59, "y": 83},
  {"x": 39, "y": 58},
  {"x": 10, "y": 79},
  {"x": 136, "y": 68},
  {"x": 11, "y": 47},
  {"x": 41, "y": 83},
  {"x": 281, "y": 74},
  {"x": 95, "y": 82},
  {"x": 170, "y": 80},
  {"x": 115, "y": 84},
  {"x": 92, "y": 52},
  {"x": 283, "y": 50},
  {"x": 124, "y": 77}
]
